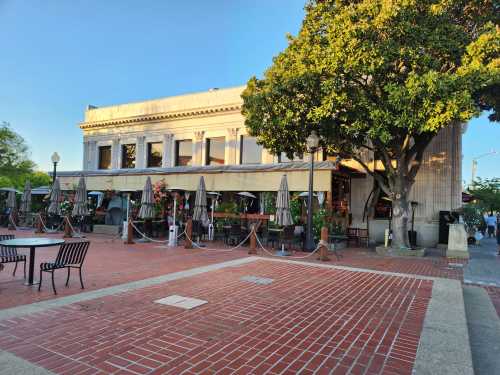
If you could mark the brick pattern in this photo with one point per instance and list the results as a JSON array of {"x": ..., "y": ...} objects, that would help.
[
  {"x": 494, "y": 293},
  {"x": 308, "y": 321}
]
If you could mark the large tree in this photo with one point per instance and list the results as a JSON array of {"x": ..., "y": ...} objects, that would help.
[
  {"x": 15, "y": 164},
  {"x": 379, "y": 77}
]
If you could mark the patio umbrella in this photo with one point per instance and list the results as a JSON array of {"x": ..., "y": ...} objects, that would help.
[
  {"x": 11, "y": 201},
  {"x": 55, "y": 198},
  {"x": 26, "y": 199},
  {"x": 80, "y": 207},
  {"x": 200, "y": 203},
  {"x": 283, "y": 215},
  {"x": 147, "y": 210},
  {"x": 246, "y": 194}
]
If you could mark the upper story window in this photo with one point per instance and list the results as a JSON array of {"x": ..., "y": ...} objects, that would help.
[
  {"x": 215, "y": 151},
  {"x": 250, "y": 151},
  {"x": 155, "y": 154},
  {"x": 282, "y": 158},
  {"x": 128, "y": 156},
  {"x": 183, "y": 152},
  {"x": 104, "y": 157}
]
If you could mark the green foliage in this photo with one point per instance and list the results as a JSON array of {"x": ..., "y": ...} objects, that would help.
[
  {"x": 227, "y": 207},
  {"x": 269, "y": 201},
  {"x": 486, "y": 194},
  {"x": 379, "y": 76},
  {"x": 15, "y": 166},
  {"x": 320, "y": 219},
  {"x": 473, "y": 217},
  {"x": 295, "y": 210}
]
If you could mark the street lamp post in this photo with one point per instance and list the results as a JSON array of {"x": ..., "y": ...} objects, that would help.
[
  {"x": 55, "y": 159},
  {"x": 474, "y": 163},
  {"x": 312, "y": 146}
]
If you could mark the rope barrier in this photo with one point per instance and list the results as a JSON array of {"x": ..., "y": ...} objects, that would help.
[
  {"x": 152, "y": 239},
  {"x": 74, "y": 233},
  {"x": 47, "y": 229},
  {"x": 221, "y": 250},
  {"x": 321, "y": 243}
]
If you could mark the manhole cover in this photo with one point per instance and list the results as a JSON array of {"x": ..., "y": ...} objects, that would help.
[
  {"x": 257, "y": 280},
  {"x": 180, "y": 301}
]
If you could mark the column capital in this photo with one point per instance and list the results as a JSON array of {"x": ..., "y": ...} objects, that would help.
[
  {"x": 198, "y": 135},
  {"x": 233, "y": 132}
]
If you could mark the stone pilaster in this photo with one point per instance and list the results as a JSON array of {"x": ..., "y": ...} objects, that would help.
[
  {"x": 140, "y": 152},
  {"x": 116, "y": 154},
  {"x": 198, "y": 147},
  {"x": 232, "y": 143},
  {"x": 93, "y": 160},
  {"x": 166, "y": 160},
  {"x": 86, "y": 153}
]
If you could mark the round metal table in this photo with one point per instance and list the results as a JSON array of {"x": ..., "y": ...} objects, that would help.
[{"x": 32, "y": 244}]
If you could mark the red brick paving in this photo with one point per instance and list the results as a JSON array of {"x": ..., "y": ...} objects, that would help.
[
  {"x": 309, "y": 320},
  {"x": 108, "y": 263},
  {"x": 494, "y": 294}
]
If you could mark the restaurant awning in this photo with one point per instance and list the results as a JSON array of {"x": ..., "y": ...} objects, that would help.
[{"x": 261, "y": 177}]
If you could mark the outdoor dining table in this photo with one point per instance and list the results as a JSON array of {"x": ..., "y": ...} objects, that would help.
[
  {"x": 337, "y": 238},
  {"x": 32, "y": 244}
]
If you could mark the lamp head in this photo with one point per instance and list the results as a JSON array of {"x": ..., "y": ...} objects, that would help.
[
  {"x": 55, "y": 158},
  {"x": 414, "y": 204},
  {"x": 312, "y": 141}
]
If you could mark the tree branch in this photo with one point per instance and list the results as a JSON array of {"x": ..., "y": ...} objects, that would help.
[{"x": 380, "y": 180}]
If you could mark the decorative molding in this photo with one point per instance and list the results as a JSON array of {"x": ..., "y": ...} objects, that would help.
[{"x": 200, "y": 112}]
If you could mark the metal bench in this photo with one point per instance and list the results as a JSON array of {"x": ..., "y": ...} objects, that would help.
[
  {"x": 70, "y": 255},
  {"x": 10, "y": 255}
]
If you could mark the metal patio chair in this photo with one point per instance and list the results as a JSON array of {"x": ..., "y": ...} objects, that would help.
[
  {"x": 10, "y": 255},
  {"x": 70, "y": 255}
]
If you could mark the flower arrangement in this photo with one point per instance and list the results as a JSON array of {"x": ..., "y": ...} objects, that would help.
[
  {"x": 66, "y": 207},
  {"x": 160, "y": 194}
]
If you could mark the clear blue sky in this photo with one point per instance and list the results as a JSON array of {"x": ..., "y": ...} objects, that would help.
[{"x": 58, "y": 56}]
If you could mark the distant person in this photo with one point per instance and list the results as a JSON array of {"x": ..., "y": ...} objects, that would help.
[
  {"x": 491, "y": 222},
  {"x": 498, "y": 237}
]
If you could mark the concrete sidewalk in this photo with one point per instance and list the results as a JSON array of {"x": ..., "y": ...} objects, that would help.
[{"x": 484, "y": 264}]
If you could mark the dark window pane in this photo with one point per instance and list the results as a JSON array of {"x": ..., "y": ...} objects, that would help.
[
  {"x": 183, "y": 152},
  {"x": 105, "y": 157},
  {"x": 128, "y": 156},
  {"x": 154, "y": 154},
  {"x": 250, "y": 151},
  {"x": 215, "y": 151}
]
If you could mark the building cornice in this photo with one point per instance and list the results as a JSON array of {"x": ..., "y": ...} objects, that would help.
[{"x": 174, "y": 115}]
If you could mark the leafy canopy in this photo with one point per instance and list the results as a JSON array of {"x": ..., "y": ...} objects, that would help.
[
  {"x": 486, "y": 194},
  {"x": 15, "y": 165},
  {"x": 381, "y": 75}
]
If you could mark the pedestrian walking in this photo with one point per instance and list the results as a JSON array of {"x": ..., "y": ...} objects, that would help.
[{"x": 491, "y": 222}]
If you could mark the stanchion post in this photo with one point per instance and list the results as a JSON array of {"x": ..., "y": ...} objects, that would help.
[
  {"x": 39, "y": 228},
  {"x": 67, "y": 228},
  {"x": 253, "y": 238},
  {"x": 189, "y": 234},
  {"x": 323, "y": 250},
  {"x": 130, "y": 233}
]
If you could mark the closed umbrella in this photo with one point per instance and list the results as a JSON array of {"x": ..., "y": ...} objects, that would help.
[
  {"x": 80, "y": 207},
  {"x": 147, "y": 210},
  {"x": 200, "y": 204},
  {"x": 55, "y": 199},
  {"x": 11, "y": 201},
  {"x": 26, "y": 199},
  {"x": 283, "y": 214}
]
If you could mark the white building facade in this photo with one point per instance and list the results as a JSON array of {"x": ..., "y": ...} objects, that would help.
[{"x": 181, "y": 138}]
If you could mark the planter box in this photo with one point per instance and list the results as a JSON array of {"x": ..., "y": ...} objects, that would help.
[{"x": 389, "y": 251}]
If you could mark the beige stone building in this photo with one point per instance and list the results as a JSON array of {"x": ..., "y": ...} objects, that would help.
[{"x": 180, "y": 138}]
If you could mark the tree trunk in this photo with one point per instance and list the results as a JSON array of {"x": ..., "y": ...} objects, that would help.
[{"x": 400, "y": 218}]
